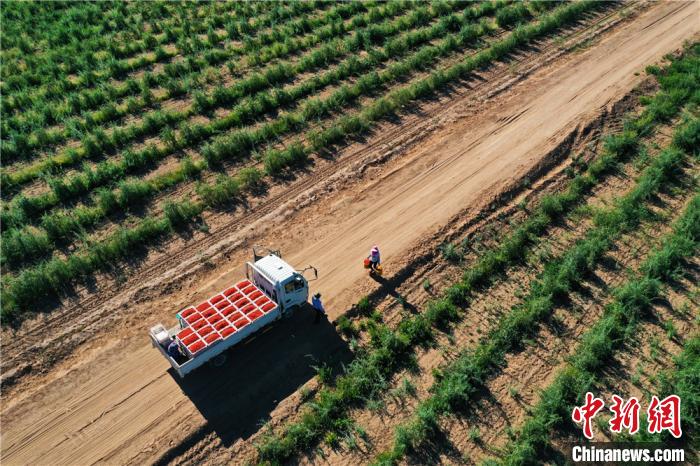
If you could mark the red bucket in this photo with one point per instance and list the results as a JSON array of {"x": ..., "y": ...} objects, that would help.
[{"x": 367, "y": 262}]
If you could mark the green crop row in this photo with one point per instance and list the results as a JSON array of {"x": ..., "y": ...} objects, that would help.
[
  {"x": 115, "y": 58},
  {"x": 50, "y": 278},
  {"x": 198, "y": 57},
  {"x": 632, "y": 303},
  {"x": 179, "y": 79},
  {"x": 246, "y": 111},
  {"x": 460, "y": 381},
  {"x": 50, "y": 67},
  {"x": 174, "y": 78},
  {"x": 275, "y": 75},
  {"x": 684, "y": 380},
  {"x": 110, "y": 171}
]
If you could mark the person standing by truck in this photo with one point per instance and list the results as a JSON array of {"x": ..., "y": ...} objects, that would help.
[
  {"x": 175, "y": 352},
  {"x": 318, "y": 307}
]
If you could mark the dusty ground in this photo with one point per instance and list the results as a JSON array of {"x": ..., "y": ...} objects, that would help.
[{"x": 112, "y": 400}]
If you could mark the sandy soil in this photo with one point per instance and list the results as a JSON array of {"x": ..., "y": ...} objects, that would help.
[
  {"x": 117, "y": 402},
  {"x": 535, "y": 368}
]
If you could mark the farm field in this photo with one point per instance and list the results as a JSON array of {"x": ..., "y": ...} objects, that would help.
[{"x": 530, "y": 171}]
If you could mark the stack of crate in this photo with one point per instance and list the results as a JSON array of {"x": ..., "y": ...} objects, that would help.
[{"x": 221, "y": 316}]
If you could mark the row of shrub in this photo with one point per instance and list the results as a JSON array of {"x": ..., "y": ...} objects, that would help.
[
  {"x": 221, "y": 96},
  {"x": 50, "y": 67},
  {"x": 245, "y": 112},
  {"x": 633, "y": 302},
  {"x": 461, "y": 380},
  {"x": 197, "y": 57},
  {"x": 684, "y": 380},
  {"x": 178, "y": 79},
  {"x": 275, "y": 160},
  {"x": 26, "y": 134},
  {"x": 79, "y": 57}
]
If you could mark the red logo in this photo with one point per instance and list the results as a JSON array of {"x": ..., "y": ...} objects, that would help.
[
  {"x": 661, "y": 415},
  {"x": 624, "y": 415},
  {"x": 665, "y": 415},
  {"x": 587, "y": 412}
]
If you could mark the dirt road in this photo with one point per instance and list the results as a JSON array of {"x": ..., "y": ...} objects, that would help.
[{"x": 119, "y": 404}]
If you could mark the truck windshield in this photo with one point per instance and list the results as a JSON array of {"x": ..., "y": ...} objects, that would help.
[{"x": 294, "y": 285}]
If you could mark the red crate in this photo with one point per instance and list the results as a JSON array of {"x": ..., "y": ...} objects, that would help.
[
  {"x": 255, "y": 295},
  {"x": 235, "y": 316},
  {"x": 208, "y": 313},
  {"x": 240, "y": 323},
  {"x": 203, "y": 306},
  {"x": 268, "y": 307},
  {"x": 255, "y": 314},
  {"x": 230, "y": 291},
  {"x": 187, "y": 312},
  {"x": 192, "y": 318},
  {"x": 215, "y": 318},
  {"x": 225, "y": 312},
  {"x": 261, "y": 300},
  {"x": 185, "y": 332},
  {"x": 212, "y": 338},
  {"x": 243, "y": 284},
  {"x": 235, "y": 297},
  {"x": 248, "y": 309},
  {"x": 196, "y": 346},
  {"x": 205, "y": 330},
  {"x": 222, "y": 304},
  {"x": 241, "y": 302},
  {"x": 248, "y": 289},
  {"x": 227, "y": 331},
  {"x": 219, "y": 326},
  {"x": 187, "y": 341},
  {"x": 216, "y": 298},
  {"x": 199, "y": 324}
]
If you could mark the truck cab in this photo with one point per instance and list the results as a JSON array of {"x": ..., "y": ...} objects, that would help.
[{"x": 277, "y": 279}]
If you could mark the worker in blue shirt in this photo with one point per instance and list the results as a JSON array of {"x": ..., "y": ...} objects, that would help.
[
  {"x": 174, "y": 350},
  {"x": 318, "y": 307}
]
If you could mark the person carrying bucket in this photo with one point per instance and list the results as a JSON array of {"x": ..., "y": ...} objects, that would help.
[{"x": 373, "y": 261}]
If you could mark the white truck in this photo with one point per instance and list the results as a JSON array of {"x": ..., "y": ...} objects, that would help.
[{"x": 272, "y": 289}]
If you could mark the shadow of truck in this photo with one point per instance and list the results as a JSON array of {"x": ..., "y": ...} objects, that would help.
[{"x": 237, "y": 397}]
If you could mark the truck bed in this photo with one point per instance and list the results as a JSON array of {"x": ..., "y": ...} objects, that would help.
[{"x": 220, "y": 322}]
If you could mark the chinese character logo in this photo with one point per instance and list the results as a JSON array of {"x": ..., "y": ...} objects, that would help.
[
  {"x": 625, "y": 415},
  {"x": 661, "y": 415},
  {"x": 586, "y": 413},
  {"x": 665, "y": 415}
]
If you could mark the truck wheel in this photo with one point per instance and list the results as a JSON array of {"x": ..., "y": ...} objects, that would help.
[{"x": 219, "y": 360}]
